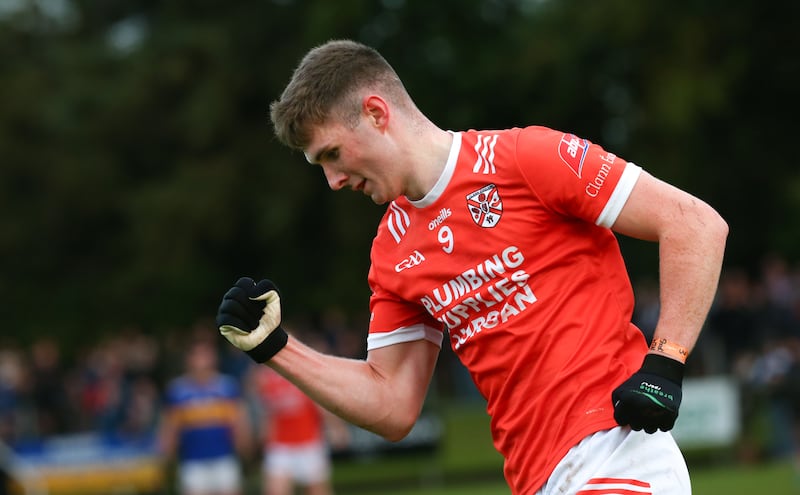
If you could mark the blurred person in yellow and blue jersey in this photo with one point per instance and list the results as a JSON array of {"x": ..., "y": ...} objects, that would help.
[{"x": 205, "y": 428}]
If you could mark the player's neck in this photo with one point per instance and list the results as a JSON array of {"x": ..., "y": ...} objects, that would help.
[{"x": 428, "y": 159}]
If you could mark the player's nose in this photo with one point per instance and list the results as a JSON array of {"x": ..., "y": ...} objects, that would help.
[{"x": 336, "y": 180}]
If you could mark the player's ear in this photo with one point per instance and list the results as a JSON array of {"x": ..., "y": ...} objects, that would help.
[{"x": 377, "y": 110}]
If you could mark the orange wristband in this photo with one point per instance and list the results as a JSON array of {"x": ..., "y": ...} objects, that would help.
[{"x": 671, "y": 349}]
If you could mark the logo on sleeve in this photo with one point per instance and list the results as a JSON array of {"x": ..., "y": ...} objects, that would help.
[
  {"x": 572, "y": 151},
  {"x": 485, "y": 206}
]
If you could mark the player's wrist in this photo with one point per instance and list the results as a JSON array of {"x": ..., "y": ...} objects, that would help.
[
  {"x": 664, "y": 366},
  {"x": 271, "y": 345},
  {"x": 669, "y": 349}
]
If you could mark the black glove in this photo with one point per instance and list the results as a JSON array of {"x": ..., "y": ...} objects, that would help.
[
  {"x": 250, "y": 316},
  {"x": 650, "y": 398}
]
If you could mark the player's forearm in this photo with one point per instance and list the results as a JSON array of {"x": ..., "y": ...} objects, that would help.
[
  {"x": 690, "y": 256},
  {"x": 356, "y": 390}
]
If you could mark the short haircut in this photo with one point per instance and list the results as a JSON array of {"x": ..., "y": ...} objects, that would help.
[{"x": 325, "y": 86}]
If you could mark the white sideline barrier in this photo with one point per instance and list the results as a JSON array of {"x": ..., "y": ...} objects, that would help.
[
  {"x": 710, "y": 413},
  {"x": 26, "y": 478}
]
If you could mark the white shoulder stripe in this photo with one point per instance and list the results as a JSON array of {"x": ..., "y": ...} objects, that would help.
[
  {"x": 397, "y": 222},
  {"x": 620, "y": 195},
  {"x": 404, "y": 334},
  {"x": 484, "y": 147}
]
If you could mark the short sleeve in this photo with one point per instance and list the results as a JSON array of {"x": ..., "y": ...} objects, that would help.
[
  {"x": 394, "y": 321},
  {"x": 573, "y": 176}
]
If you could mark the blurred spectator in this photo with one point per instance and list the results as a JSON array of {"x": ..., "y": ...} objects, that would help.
[
  {"x": 295, "y": 450},
  {"x": 53, "y": 409},
  {"x": 141, "y": 353},
  {"x": 205, "y": 427},
  {"x": 777, "y": 281},
  {"x": 757, "y": 325},
  {"x": 18, "y": 418},
  {"x": 337, "y": 333},
  {"x": 140, "y": 413},
  {"x": 787, "y": 392},
  {"x": 115, "y": 385},
  {"x": 296, "y": 431},
  {"x": 732, "y": 320},
  {"x": 139, "y": 408},
  {"x": 772, "y": 388},
  {"x": 647, "y": 308},
  {"x": 777, "y": 291},
  {"x": 103, "y": 386}
]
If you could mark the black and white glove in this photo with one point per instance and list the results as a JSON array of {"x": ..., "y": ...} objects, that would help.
[
  {"x": 249, "y": 316},
  {"x": 649, "y": 400}
]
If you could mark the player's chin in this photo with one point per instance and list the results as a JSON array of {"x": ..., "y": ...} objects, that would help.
[{"x": 378, "y": 199}]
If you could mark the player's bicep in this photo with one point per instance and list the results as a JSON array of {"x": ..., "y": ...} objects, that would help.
[
  {"x": 651, "y": 206},
  {"x": 572, "y": 176},
  {"x": 407, "y": 367}
]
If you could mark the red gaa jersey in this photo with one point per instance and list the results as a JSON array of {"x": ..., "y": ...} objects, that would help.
[
  {"x": 511, "y": 256},
  {"x": 293, "y": 418}
]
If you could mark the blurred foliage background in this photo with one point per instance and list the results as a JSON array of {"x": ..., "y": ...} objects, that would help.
[{"x": 139, "y": 176}]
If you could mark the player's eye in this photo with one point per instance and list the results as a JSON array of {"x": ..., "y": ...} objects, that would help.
[{"x": 331, "y": 155}]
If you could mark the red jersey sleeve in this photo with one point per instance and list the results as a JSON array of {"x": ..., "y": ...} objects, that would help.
[
  {"x": 575, "y": 177},
  {"x": 393, "y": 321}
]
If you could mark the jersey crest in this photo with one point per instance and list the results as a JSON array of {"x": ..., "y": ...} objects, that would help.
[{"x": 485, "y": 206}]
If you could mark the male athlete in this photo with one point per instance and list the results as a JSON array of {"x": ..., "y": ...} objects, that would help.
[
  {"x": 296, "y": 451},
  {"x": 502, "y": 243},
  {"x": 205, "y": 427}
]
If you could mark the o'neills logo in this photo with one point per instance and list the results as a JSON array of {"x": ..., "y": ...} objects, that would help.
[
  {"x": 485, "y": 206},
  {"x": 444, "y": 213}
]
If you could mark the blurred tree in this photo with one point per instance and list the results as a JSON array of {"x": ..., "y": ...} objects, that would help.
[{"x": 139, "y": 176}]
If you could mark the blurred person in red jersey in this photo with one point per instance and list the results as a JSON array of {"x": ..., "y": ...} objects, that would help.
[{"x": 298, "y": 434}]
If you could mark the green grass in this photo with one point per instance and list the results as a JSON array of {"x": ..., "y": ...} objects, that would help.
[
  {"x": 768, "y": 479},
  {"x": 466, "y": 453},
  {"x": 471, "y": 489},
  {"x": 467, "y": 464}
]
